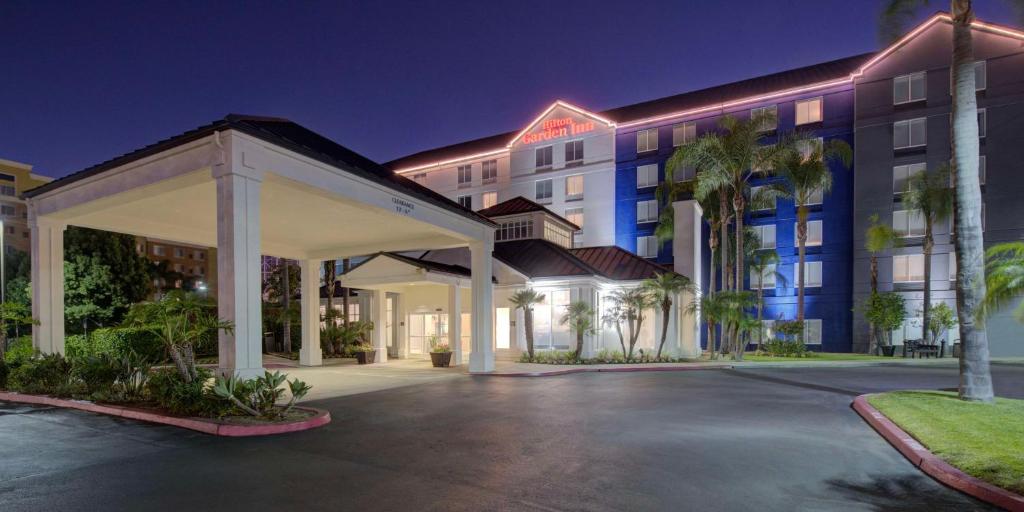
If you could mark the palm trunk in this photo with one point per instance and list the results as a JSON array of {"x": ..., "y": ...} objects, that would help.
[
  {"x": 286, "y": 345},
  {"x": 345, "y": 267},
  {"x": 666, "y": 310},
  {"x": 760, "y": 309},
  {"x": 738, "y": 206},
  {"x": 579, "y": 343},
  {"x": 622, "y": 341},
  {"x": 872, "y": 335},
  {"x": 330, "y": 271},
  {"x": 713, "y": 244},
  {"x": 528, "y": 320},
  {"x": 975, "y": 375},
  {"x": 926, "y": 309},
  {"x": 801, "y": 235},
  {"x": 724, "y": 256}
]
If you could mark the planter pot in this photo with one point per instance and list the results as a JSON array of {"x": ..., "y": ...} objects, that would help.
[
  {"x": 366, "y": 357},
  {"x": 441, "y": 359},
  {"x": 887, "y": 351}
]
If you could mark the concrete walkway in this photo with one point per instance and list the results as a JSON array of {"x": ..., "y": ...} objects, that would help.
[{"x": 342, "y": 377}]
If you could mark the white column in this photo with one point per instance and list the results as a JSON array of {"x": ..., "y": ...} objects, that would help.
[
  {"x": 238, "y": 270},
  {"x": 482, "y": 357},
  {"x": 686, "y": 246},
  {"x": 379, "y": 310},
  {"x": 455, "y": 323},
  {"x": 47, "y": 285},
  {"x": 310, "y": 353}
]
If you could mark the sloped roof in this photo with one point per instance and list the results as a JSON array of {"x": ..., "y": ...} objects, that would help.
[
  {"x": 435, "y": 266},
  {"x": 518, "y": 205},
  {"x": 289, "y": 135},
  {"x": 617, "y": 263},
  {"x": 541, "y": 258}
]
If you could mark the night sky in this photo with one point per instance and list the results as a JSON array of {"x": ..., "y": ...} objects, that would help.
[{"x": 82, "y": 82}]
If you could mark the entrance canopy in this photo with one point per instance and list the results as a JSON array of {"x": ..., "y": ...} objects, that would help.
[{"x": 248, "y": 186}]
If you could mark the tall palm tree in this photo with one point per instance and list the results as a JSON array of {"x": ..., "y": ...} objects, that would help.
[
  {"x": 662, "y": 288},
  {"x": 975, "y": 373},
  {"x": 525, "y": 299},
  {"x": 929, "y": 194},
  {"x": 879, "y": 237},
  {"x": 330, "y": 283},
  {"x": 579, "y": 316},
  {"x": 633, "y": 302},
  {"x": 286, "y": 298},
  {"x": 805, "y": 173},
  {"x": 764, "y": 264},
  {"x": 346, "y": 265}
]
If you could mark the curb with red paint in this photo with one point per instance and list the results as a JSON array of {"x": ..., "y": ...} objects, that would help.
[
  {"x": 932, "y": 465},
  {"x": 206, "y": 426},
  {"x": 567, "y": 371}
]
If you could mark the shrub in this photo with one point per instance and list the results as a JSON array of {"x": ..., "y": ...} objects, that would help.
[
  {"x": 20, "y": 349},
  {"x": 4, "y": 370},
  {"x": 77, "y": 346},
  {"x": 258, "y": 397},
  {"x": 97, "y": 372},
  {"x": 120, "y": 341},
  {"x": 170, "y": 391},
  {"x": 784, "y": 348},
  {"x": 45, "y": 374}
]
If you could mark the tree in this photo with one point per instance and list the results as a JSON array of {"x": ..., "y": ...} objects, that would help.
[
  {"x": 346, "y": 265},
  {"x": 943, "y": 319},
  {"x": 803, "y": 165},
  {"x": 330, "y": 282},
  {"x": 886, "y": 311},
  {"x": 579, "y": 316},
  {"x": 1005, "y": 280},
  {"x": 975, "y": 373},
  {"x": 879, "y": 237},
  {"x": 17, "y": 273},
  {"x": 930, "y": 195},
  {"x": 163, "y": 276},
  {"x": 525, "y": 299},
  {"x": 12, "y": 313},
  {"x": 282, "y": 284},
  {"x": 662, "y": 288},
  {"x": 764, "y": 264},
  {"x": 103, "y": 276},
  {"x": 632, "y": 303}
]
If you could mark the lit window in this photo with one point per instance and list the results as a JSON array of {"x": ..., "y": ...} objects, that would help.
[
  {"x": 647, "y": 176},
  {"x": 765, "y": 281},
  {"x": 809, "y": 147},
  {"x": 557, "y": 234},
  {"x": 647, "y": 246},
  {"x": 575, "y": 215},
  {"x": 489, "y": 172},
  {"x": 901, "y": 175},
  {"x": 756, "y": 191},
  {"x": 684, "y": 133},
  {"x": 814, "y": 234},
  {"x": 514, "y": 230},
  {"x": 766, "y": 235},
  {"x": 573, "y": 151},
  {"x": 646, "y": 211},
  {"x": 647, "y": 140},
  {"x": 982, "y": 121},
  {"x": 465, "y": 175},
  {"x": 980, "y": 76},
  {"x": 816, "y": 197},
  {"x": 812, "y": 274},
  {"x": 466, "y": 201},
  {"x": 7, "y": 190},
  {"x": 770, "y": 117},
  {"x": 908, "y": 268},
  {"x": 910, "y": 133},
  {"x": 159, "y": 250},
  {"x": 574, "y": 187},
  {"x": 543, "y": 191},
  {"x": 543, "y": 156},
  {"x": 909, "y": 88},
  {"x": 908, "y": 223},
  {"x": 812, "y": 331},
  {"x": 489, "y": 199},
  {"x": 808, "y": 111}
]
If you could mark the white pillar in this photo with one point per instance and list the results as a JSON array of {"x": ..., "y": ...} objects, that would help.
[
  {"x": 379, "y": 311},
  {"x": 239, "y": 287},
  {"x": 455, "y": 323},
  {"x": 310, "y": 353},
  {"x": 47, "y": 285},
  {"x": 686, "y": 246},
  {"x": 482, "y": 357}
]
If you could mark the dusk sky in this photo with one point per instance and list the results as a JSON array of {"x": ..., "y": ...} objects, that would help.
[{"x": 83, "y": 82}]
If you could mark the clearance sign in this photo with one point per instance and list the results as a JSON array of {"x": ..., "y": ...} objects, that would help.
[{"x": 555, "y": 128}]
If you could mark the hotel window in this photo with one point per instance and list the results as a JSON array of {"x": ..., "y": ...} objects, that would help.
[
  {"x": 755, "y": 206},
  {"x": 814, "y": 234},
  {"x": 908, "y": 268},
  {"x": 647, "y": 176},
  {"x": 812, "y": 274},
  {"x": 543, "y": 156},
  {"x": 908, "y": 223},
  {"x": 489, "y": 172},
  {"x": 6, "y": 177},
  {"x": 981, "y": 169},
  {"x": 765, "y": 281},
  {"x": 575, "y": 215},
  {"x": 557, "y": 234},
  {"x": 770, "y": 115},
  {"x": 159, "y": 250},
  {"x": 574, "y": 187},
  {"x": 7, "y": 190},
  {"x": 574, "y": 152},
  {"x": 646, "y": 211},
  {"x": 910, "y": 133},
  {"x": 179, "y": 252},
  {"x": 685, "y": 173},
  {"x": 514, "y": 230},
  {"x": 808, "y": 111},
  {"x": 901, "y": 175},
  {"x": 647, "y": 140},
  {"x": 909, "y": 88},
  {"x": 980, "y": 76},
  {"x": 982, "y": 121},
  {"x": 816, "y": 197},
  {"x": 766, "y": 236},
  {"x": 543, "y": 194},
  {"x": 647, "y": 246},
  {"x": 762, "y": 163},
  {"x": 198, "y": 255},
  {"x": 684, "y": 133},
  {"x": 489, "y": 199},
  {"x": 808, "y": 147},
  {"x": 6, "y": 210},
  {"x": 465, "y": 175},
  {"x": 812, "y": 331},
  {"x": 466, "y": 202}
]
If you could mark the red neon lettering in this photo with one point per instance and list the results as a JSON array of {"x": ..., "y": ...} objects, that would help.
[{"x": 555, "y": 128}]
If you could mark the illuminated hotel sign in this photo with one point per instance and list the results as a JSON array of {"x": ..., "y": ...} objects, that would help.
[{"x": 555, "y": 128}]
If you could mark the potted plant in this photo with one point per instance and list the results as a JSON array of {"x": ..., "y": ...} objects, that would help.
[
  {"x": 440, "y": 353},
  {"x": 365, "y": 353}
]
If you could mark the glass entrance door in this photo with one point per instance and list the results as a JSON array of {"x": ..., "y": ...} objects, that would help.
[{"x": 422, "y": 326}]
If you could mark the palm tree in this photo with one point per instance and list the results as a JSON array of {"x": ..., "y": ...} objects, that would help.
[
  {"x": 286, "y": 298},
  {"x": 975, "y": 374},
  {"x": 805, "y": 173},
  {"x": 633, "y": 303},
  {"x": 662, "y": 287},
  {"x": 525, "y": 299},
  {"x": 330, "y": 282},
  {"x": 929, "y": 194},
  {"x": 346, "y": 265},
  {"x": 1004, "y": 274},
  {"x": 614, "y": 315},
  {"x": 580, "y": 318},
  {"x": 879, "y": 237},
  {"x": 764, "y": 264}
]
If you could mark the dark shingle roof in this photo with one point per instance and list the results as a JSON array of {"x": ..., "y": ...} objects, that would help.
[
  {"x": 789, "y": 79},
  {"x": 541, "y": 258},
  {"x": 617, "y": 263},
  {"x": 517, "y": 205},
  {"x": 286, "y": 134}
]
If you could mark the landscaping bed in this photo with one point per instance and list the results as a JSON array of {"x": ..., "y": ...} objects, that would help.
[
  {"x": 817, "y": 356},
  {"x": 985, "y": 441}
]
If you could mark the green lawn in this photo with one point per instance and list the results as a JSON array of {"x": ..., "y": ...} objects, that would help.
[
  {"x": 983, "y": 440},
  {"x": 820, "y": 356}
]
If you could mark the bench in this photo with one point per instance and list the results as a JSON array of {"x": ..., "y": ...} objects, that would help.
[{"x": 919, "y": 348}]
